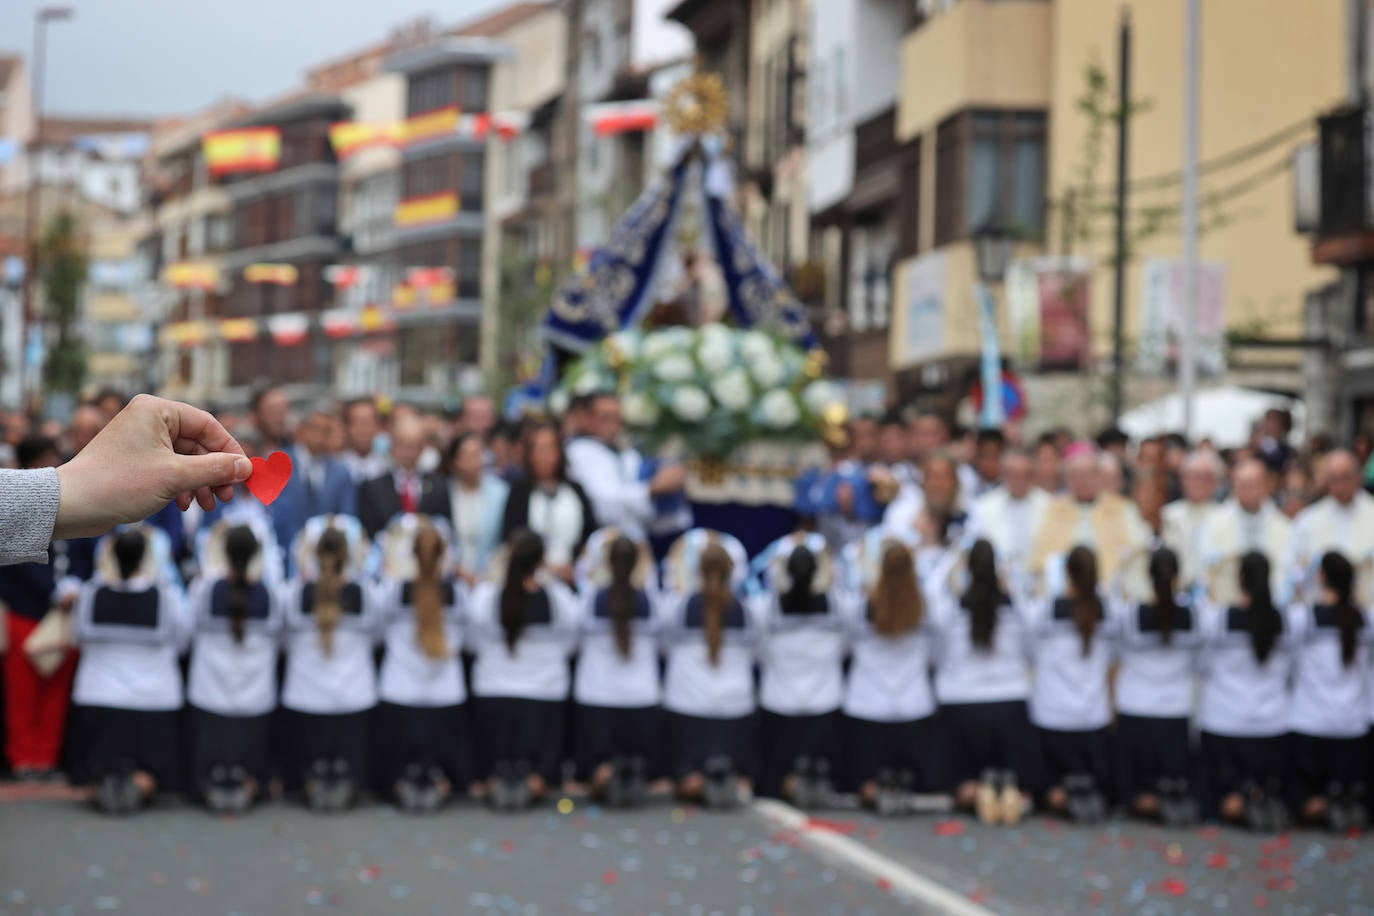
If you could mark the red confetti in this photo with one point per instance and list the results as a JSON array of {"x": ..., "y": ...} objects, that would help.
[
  {"x": 948, "y": 828},
  {"x": 844, "y": 828},
  {"x": 1218, "y": 860},
  {"x": 1353, "y": 833},
  {"x": 1261, "y": 901},
  {"x": 508, "y": 846},
  {"x": 884, "y": 884},
  {"x": 1176, "y": 858},
  {"x": 1173, "y": 887},
  {"x": 978, "y": 896},
  {"x": 1273, "y": 884},
  {"x": 1269, "y": 847},
  {"x": 1290, "y": 884},
  {"x": 1127, "y": 843},
  {"x": 608, "y": 877},
  {"x": 1209, "y": 833},
  {"x": 1285, "y": 841},
  {"x": 1095, "y": 898}
]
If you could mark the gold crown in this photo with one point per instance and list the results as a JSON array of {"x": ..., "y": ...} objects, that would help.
[{"x": 697, "y": 105}]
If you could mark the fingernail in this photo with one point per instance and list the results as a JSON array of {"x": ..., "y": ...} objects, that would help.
[{"x": 242, "y": 468}]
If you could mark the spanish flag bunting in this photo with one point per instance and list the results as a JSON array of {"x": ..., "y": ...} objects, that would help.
[
  {"x": 424, "y": 277},
  {"x": 374, "y": 318},
  {"x": 430, "y": 125},
  {"x": 610, "y": 118},
  {"x": 430, "y": 208},
  {"x": 184, "y": 333},
  {"x": 510, "y": 124},
  {"x": 288, "y": 330},
  {"x": 278, "y": 274},
  {"x": 402, "y": 296},
  {"x": 191, "y": 275},
  {"x": 351, "y": 137},
  {"x": 440, "y": 293},
  {"x": 343, "y": 276},
  {"x": 248, "y": 149},
  {"x": 238, "y": 329},
  {"x": 338, "y": 323}
]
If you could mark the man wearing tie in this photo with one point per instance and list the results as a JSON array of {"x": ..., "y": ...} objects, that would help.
[
  {"x": 319, "y": 483},
  {"x": 405, "y": 488}
]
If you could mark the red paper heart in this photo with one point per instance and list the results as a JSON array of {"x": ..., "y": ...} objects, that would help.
[{"x": 269, "y": 477}]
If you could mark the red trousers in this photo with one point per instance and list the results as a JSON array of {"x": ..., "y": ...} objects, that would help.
[{"x": 35, "y": 706}]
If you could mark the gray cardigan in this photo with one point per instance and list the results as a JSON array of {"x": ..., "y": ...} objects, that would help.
[{"x": 28, "y": 512}]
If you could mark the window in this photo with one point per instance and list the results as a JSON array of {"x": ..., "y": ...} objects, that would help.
[
  {"x": 428, "y": 91},
  {"x": 470, "y": 269},
  {"x": 429, "y": 176},
  {"x": 471, "y": 172},
  {"x": 472, "y": 92},
  {"x": 990, "y": 170}
]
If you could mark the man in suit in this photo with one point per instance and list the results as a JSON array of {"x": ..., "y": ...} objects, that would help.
[
  {"x": 319, "y": 484},
  {"x": 405, "y": 488}
]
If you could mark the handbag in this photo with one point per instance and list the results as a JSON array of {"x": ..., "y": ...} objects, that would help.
[{"x": 48, "y": 644}]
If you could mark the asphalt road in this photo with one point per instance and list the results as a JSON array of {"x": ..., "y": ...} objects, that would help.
[{"x": 60, "y": 859}]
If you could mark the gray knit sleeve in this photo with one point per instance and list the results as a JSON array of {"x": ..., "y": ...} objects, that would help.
[{"x": 28, "y": 512}]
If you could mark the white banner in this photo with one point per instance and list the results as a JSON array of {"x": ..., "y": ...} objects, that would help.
[
  {"x": 924, "y": 309},
  {"x": 1161, "y": 316}
]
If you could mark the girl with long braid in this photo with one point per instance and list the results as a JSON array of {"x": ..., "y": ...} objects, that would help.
[
  {"x": 232, "y": 684},
  {"x": 332, "y": 625}
]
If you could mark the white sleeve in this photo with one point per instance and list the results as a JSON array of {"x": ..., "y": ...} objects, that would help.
[
  {"x": 81, "y": 611},
  {"x": 182, "y": 618},
  {"x": 614, "y": 500}
]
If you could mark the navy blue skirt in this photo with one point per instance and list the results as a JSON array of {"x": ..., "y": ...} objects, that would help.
[
  {"x": 428, "y": 735},
  {"x": 1149, "y": 749},
  {"x": 514, "y": 730},
  {"x": 871, "y": 747},
  {"x": 694, "y": 740},
  {"x": 606, "y": 732},
  {"x": 228, "y": 741},
  {"x": 785, "y": 738},
  {"x": 110, "y": 740},
  {"x": 1067, "y": 753},
  {"x": 978, "y": 736},
  {"x": 304, "y": 737}
]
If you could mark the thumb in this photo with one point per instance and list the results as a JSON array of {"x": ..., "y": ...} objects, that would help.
[{"x": 217, "y": 469}]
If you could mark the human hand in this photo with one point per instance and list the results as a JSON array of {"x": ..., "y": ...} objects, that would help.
[
  {"x": 844, "y": 499},
  {"x": 562, "y": 571},
  {"x": 669, "y": 479},
  {"x": 153, "y": 451}
]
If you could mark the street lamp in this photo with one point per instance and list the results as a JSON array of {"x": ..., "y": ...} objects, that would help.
[
  {"x": 992, "y": 244},
  {"x": 41, "y": 17}
]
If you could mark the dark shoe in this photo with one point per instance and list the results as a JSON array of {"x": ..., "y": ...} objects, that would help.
[{"x": 721, "y": 790}]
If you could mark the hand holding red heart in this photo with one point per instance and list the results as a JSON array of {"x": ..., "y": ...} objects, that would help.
[{"x": 152, "y": 452}]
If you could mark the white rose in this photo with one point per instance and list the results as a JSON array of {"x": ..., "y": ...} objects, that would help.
[
  {"x": 768, "y": 369},
  {"x": 819, "y": 395},
  {"x": 627, "y": 343},
  {"x": 674, "y": 368},
  {"x": 779, "y": 410},
  {"x": 715, "y": 352},
  {"x": 590, "y": 383},
  {"x": 756, "y": 345},
  {"x": 659, "y": 344},
  {"x": 732, "y": 390},
  {"x": 691, "y": 404},
  {"x": 558, "y": 402},
  {"x": 640, "y": 409}
]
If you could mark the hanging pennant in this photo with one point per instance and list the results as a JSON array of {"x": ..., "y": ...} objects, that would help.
[
  {"x": 276, "y": 274},
  {"x": 429, "y": 208},
  {"x": 191, "y": 275},
  {"x": 374, "y": 318},
  {"x": 238, "y": 329},
  {"x": 424, "y": 277},
  {"x": 402, "y": 296},
  {"x": 338, "y": 323},
  {"x": 611, "y": 118},
  {"x": 343, "y": 276},
  {"x": 430, "y": 125},
  {"x": 185, "y": 334},
  {"x": 352, "y": 137},
  {"x": 288, "y": 330}
]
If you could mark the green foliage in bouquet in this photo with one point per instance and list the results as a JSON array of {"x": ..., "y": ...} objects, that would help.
[{"x": 713, "y": 387}]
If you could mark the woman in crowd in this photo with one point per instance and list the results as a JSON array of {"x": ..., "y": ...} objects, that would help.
[
  {"x": 708, "y": 690},
  {"x": 547, "y": 503},
  {"x": 1243, "y": 716},
  {"x": 889, "y": 709},
  {"x": 1324, "y": 713},
  {"x": 128, "y": 693},
  {"x": 330, "y": 689},
  {"x": 522, "y": 632},
  {"x": 423, "y": 743},
  {"x": 1160, "y": 635},
  {"x": 478, "y": 498},
  {"x": 801, "y": 653},
  {"x": 231, "y": 688},
  {"x": 982, "y": 683},
  {"x": 1069, "y": 704},
  {"x": 617, "y": 687}
]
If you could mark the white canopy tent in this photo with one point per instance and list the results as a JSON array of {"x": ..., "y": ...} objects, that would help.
[{"x": 1225, "y": 415}]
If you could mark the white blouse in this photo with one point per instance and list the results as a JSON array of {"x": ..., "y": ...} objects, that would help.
[{"x": 558, "y": 520}]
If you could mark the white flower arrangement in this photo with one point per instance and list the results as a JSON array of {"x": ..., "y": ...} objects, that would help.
[
  {"x": 558, "y": 402},
  {"x": 713, "y": 388}
]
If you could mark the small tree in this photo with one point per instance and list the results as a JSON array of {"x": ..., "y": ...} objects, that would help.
[
  {"x": 526, "y": 290},
  {"x": 62, "y": 271}
]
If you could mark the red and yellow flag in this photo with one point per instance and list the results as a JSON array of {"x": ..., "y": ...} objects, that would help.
[
  {"x": 350, "y": 137},
  {"x": 249, "y": 149},
  {"x": 431, "y": 124},
  {"x": 429, "y": 208},
  {"x": 238, "y": 329},
  {"x": 191, "y": 275},
  {"x": 279, "y": 274}
]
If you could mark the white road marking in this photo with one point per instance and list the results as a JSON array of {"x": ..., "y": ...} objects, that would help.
[{"x": 851, "y": 852}]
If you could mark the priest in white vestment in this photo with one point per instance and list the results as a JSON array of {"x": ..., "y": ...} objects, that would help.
[
  {"x": 1249, "y": 521},
  {"x": 1343, "y": 520},
  {"x": 1009, "y": 516},
  {"x": 1186, "y": 519},
  {"x": 1088, "y": 515}
]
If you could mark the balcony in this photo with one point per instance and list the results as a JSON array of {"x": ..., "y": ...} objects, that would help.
[{"x": 1345, "y": 225}]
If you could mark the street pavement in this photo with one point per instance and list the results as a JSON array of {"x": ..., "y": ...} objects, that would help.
[{"x": 59, "y": 858}]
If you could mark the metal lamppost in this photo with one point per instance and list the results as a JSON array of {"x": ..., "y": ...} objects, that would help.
[
  {"x": 41, "y": 17},
  {"x": 992, "y": 245}
]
